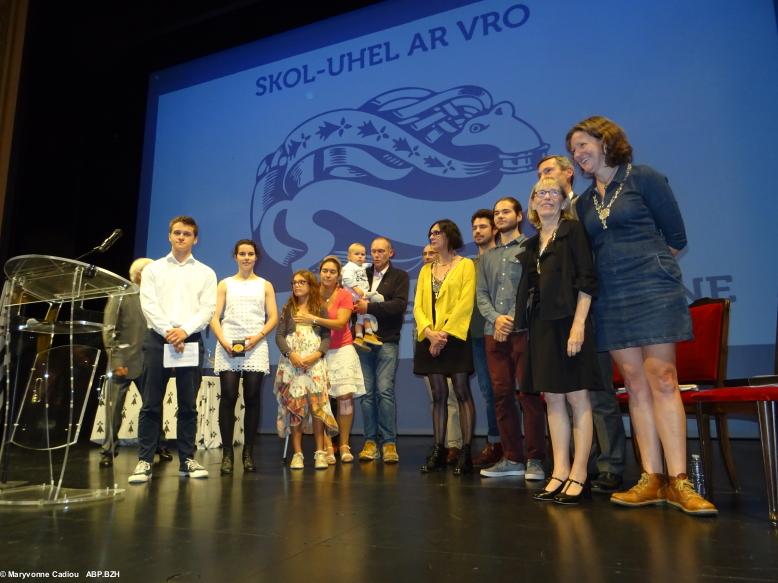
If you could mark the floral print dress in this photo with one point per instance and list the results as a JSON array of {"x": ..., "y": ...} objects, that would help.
[{"x": 303, "y": 394}]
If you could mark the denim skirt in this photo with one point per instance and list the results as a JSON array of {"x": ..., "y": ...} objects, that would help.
[{"x": 641, "y": 302}]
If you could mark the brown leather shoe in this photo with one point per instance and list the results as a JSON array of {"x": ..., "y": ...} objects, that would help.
[
  {"x": 650, "y": 489},
  {"x": 682, "y": 495},
  {"x": 452, "y": 454},
  {"x": 489, "y": 455}
]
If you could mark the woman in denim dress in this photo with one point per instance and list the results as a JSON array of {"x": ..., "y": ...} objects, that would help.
[{"x": 636, "y": 230}]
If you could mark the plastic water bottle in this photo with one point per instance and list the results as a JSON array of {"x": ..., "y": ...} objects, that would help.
[{"x": 697, "y": 475}]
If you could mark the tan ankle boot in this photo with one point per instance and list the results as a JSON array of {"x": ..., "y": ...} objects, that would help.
[
  {"x": 649, "y": 490},
  {"x": 682, "y": 495}
]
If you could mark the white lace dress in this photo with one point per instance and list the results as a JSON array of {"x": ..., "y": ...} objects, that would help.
[{"x": 244, "y": 315}]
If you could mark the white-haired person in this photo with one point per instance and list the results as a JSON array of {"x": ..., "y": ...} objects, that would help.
[
  {"x": 124, "y": 331},
  {"x": 552, "y": 302}
]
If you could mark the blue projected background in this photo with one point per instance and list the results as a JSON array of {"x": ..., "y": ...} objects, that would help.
[{"x": 383, "y": 120}]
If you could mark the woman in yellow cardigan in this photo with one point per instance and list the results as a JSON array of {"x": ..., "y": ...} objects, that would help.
[{"x": 445, "y": 293}]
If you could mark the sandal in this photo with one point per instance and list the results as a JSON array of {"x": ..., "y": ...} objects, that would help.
[{"x": 345, "y": 454}]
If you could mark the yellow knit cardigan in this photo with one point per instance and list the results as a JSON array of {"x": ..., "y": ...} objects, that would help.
[{"x": 454, "y": 305}]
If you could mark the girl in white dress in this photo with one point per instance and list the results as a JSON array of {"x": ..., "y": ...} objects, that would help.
[{"x": 248, "y": 305}]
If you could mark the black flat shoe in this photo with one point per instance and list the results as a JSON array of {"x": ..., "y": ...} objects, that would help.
[
  {"x": 548, "y": 495},
  {"x": 606, "y": 482},
  {"x": 436, "y": 460},
  {"x": 106, "y": 459},
  {"x": 248, "y": 461},
  {"x": 227, "y": 464},
  {"x": 164, "y": 454},
  {"x": 570, "y": 500}
]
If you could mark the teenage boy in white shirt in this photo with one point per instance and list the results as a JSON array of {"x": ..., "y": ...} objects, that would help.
[{"x": 178, "y": 299}]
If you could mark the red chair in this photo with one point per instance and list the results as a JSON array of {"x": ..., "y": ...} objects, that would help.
[
  {"x": 759, "y": 400},
  {"x": 701, "y": 361}
]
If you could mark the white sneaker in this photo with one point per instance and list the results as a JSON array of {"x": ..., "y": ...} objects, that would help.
[
  {"x": 297, "y": 462},
  {"x": 320, "y": 460},
  {"x": 142, "y": 473},
  {"x": 192, "y": 469}
]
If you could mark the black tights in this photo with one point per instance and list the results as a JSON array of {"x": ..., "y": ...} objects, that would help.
[
  {"x": 439, "y": 387},
  {"x": 252, "y": 381}
]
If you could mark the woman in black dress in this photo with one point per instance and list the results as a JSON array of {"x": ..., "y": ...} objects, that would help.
[
  {"x": 445, "y": 294},
  {"x": 553, "y": 301}
]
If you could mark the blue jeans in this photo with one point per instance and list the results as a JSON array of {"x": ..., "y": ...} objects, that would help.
[
  {"x": 485, "y": 384},
  {"x": 379, "y": 367}
]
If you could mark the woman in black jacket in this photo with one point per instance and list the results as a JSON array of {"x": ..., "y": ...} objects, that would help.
[{"x": 553, "y": 301}]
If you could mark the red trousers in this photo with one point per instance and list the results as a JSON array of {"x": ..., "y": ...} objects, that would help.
[{"x": 506, "y": 362}]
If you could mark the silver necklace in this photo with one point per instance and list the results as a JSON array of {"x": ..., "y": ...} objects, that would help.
[{"x": 604, "y": 211}]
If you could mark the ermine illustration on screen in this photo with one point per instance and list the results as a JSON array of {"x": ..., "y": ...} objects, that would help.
[{"x": 400, "y": 153}]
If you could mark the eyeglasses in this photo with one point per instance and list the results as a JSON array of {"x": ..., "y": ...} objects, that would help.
[
  {"x": 545, "y": 193},
  {"x": 435, "y": 233},
  {"x": 299, "y": 282}
]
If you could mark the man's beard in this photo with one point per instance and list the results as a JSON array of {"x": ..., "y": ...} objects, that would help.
[{"x": 483, "y": 243}]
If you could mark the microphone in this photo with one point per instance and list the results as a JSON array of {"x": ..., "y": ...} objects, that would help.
[
  {"x": 101, "y": 248},
  {"x": 109, "y": 241}
]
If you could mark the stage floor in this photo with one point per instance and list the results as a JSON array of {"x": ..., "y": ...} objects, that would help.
[{"x": 373, "y": 523}]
